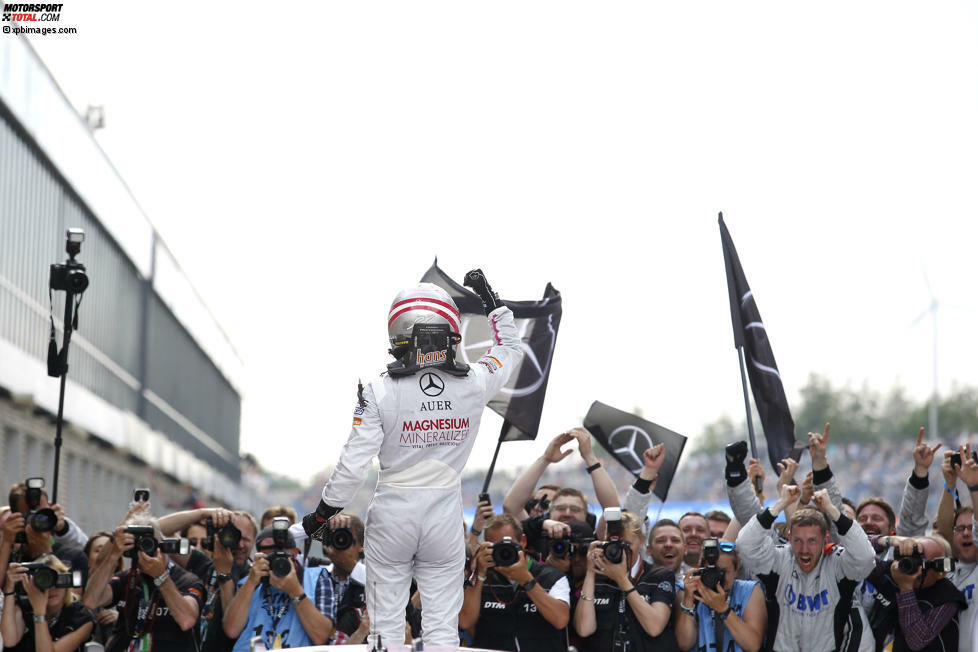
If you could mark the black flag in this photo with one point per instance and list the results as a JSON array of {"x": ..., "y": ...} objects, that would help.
[
  {"x": 520, "y": 402},
  {"x": 627, "y": 436},
  {"x": 765, "y": 380}
]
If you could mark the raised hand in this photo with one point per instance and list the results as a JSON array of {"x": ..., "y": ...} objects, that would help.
[
  {"x": 807, "y": 489},
  {"x": 786, "y": 472},
  {"x": 755, "y": 470},
  {"x": 923, "y": 455},
  {"x": 788, "y": 495},
  {"x": 653, "y": 457},
  {"x": 818, "y": 446},
  {"x": 968, "y": 471},
  {"x": 553, "y": 454},
  {"x": 824, "y": 503},
  {"x": 948, "y": 471}
]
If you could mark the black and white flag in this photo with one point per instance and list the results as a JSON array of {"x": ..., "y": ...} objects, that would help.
[
  {"x": 626, "y": 436},
  {"x": 765, "y": 380},
  {"x": 520, "y": 402}
]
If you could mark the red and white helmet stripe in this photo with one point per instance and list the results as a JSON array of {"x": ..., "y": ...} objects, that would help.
[{"x": 424, "y": 303}]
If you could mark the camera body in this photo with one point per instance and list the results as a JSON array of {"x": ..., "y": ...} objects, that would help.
[
  {"x": 614, "y": 547},
  {"x": 69, "y": 277},
  {"x": 506, "y": 552},
  {"x": 229, "y": 535},
  {"x": 908, "y": 564},
  {"x": 46, "y": 577},
  {"x": 956, "y": 458},
  {"x": 40, "y": 519},
  {"x": 279, "y": 561},
  {"x": 710, "y": 575},
  {"x": 145, "y": 541},
  {"x": 567, "y": 545}
]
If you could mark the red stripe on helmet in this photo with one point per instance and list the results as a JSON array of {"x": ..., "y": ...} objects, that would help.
[
  {"x": 451, "y": 320},
  {"x": 439, "y": 302}
]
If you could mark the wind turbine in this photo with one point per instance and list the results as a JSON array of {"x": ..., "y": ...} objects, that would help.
[{"x": 932, "y": 310}]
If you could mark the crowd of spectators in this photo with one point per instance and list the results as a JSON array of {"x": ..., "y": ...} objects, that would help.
[
  {"x": 863, "y": 560},
  {"x": 202, "y": 579}
]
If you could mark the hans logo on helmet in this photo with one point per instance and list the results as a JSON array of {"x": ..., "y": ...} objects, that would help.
[{"x": 432, "y": 358}]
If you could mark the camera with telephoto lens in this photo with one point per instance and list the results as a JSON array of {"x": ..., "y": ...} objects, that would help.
[
  {"x": 145, "y": 541},
  {"x": 710, "y": 575},
  {"x": 339, "y": 539},
  {"x": 71, "y": 276},
  {"x": 40, "y": 519},
  {"x": 279, "y": 562},
  {"x": 505, "y": 552},
  {"x": 229, "y": 535},
  {"x": 614, "y": 547},
  {"x": 46, "y": 577},
  {"x": 566, "y": 545},
  {"x": 908, "y": 564}
]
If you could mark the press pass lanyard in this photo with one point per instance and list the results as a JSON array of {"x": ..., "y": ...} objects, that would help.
[
  {"x": 145, "y": 611},
  {"x": 209, "y": 604},
  {"x": 275, "y": 614},
  {"x": 622, "y": 641}
]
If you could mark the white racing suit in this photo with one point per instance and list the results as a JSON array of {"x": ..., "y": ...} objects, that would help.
[
  {"x": 810, "y": 610},
  {"x": 422, "y": 428}
]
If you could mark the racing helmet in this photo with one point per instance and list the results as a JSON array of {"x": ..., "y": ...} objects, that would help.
[{"x": 424, "y": 303}]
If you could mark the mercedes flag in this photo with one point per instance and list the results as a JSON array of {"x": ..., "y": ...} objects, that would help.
[
  {"x": 520, "y": 402},
  {"x": 627, "y": 436},
  {"x": 765, "y": 380}
]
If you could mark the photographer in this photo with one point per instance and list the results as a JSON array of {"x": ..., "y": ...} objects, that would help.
[
  {"x": 630, "y": 607},
  {"x": 217, "y": 565},
  {"x": 340, "y": 590},
  {"x": 919, "y": 606},
  {"x": 717, "y": 606},
  {"x": 524, "y": 605},
  {"x": 44, "y": 620},
  {"x": 159, "y": 601},
  {"x": 60, "y": 536},
  {"x": 276, "y": 605}
]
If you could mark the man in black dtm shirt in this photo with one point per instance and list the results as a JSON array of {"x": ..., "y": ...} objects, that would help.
[
  {"x": 158, "y": 601},
  {"x": 524, "y": 606}
]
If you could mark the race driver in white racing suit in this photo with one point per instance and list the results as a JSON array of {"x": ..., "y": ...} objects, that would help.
[{"x": 420, "y": 419}]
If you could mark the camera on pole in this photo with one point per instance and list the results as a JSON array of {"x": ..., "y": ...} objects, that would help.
[{"x": 71, "y": 279}]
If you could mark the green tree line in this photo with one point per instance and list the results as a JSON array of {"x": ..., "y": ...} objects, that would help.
[{"x": 859, "y": 415}]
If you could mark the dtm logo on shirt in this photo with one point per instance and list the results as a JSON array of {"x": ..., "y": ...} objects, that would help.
[
  {"x": 489, "y": 604},
  {"x": 809, "y": 604}
]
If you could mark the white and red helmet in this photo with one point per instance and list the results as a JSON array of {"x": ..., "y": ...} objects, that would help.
[{"x": 424, "y": 303}]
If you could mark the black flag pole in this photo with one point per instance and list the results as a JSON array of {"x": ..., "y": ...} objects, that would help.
[
  {"x": 492, "y": 467},
  {"x": 758, "y": 487}
]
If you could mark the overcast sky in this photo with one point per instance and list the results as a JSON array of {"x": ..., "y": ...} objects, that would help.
[{"x": 304, "y": 161}]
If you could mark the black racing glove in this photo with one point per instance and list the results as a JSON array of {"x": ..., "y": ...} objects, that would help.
[
  {"x": 736, "y": 472},
  {"x": 317, "y": 523},
  {"x": 477, "y": 281}
]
